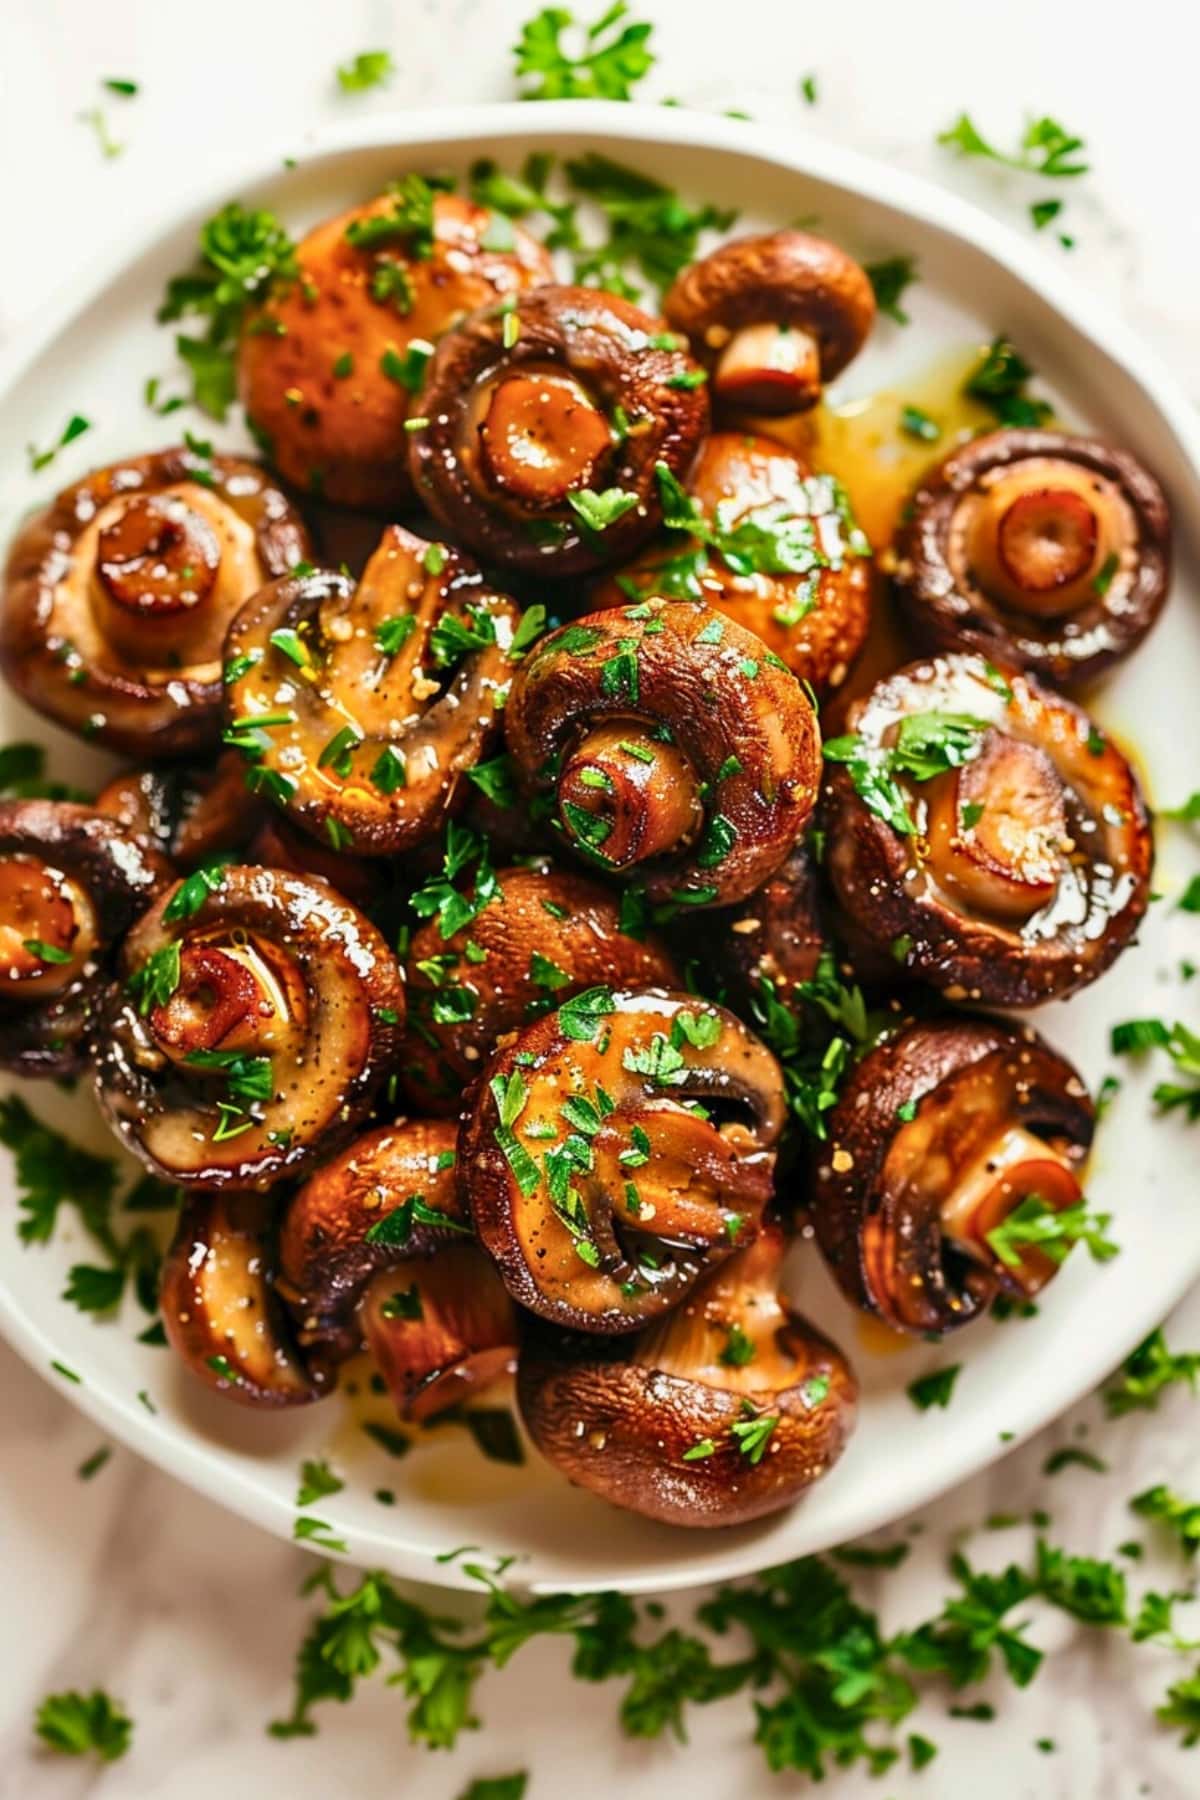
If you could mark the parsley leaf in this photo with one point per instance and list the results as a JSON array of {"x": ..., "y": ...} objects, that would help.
[
  {"x": 998, "y": 382},
  {"x": 78, "y": 1724},
  {"x": 889, "y": 280},
  {"x": 370, "y": 68},
  {"x": 614, "y": 56},
  {"x": 1046, "y": 148},
  {"x": 1033, "y": 1224},
  {"x": 1146, "y": 1372}
]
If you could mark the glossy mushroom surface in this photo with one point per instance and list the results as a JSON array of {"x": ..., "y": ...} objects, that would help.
[
  {"x": 329, "y": 366},
  {"x": 360, "y": 708},
  {"x": 785, "y": 557},
  {"x": 250, "y": 1031},
  {"x": 941, "y": 1133},
  {"x": 71, "y": 883},
  {"x": 118, "y": 595},
  {"x": 545, "y": 423},
  {"x": 985, "y": 832},
  {"x": 773, "y": 318},
  {"x": 599, "y": 1186},
  {"x": 219, "y": 1310},
  {"x": 544, "y": 935},
  {"x": 671, "y": 746},
  {"x": 727, "y": 1409},
  {"x": 187, "y": 813},
  {"x": 1037, "y": 548}
]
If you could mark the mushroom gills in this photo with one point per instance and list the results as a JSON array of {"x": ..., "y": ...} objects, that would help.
[{"x": 441, "y": 1329}]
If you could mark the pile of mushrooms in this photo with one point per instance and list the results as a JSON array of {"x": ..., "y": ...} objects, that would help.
[{"x": 461, "y": 933}]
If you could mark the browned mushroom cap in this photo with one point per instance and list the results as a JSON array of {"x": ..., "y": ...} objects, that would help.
[
  {"x": 595, "y": 1180},
  {"x": 672, "y": 743},
  {"x": 328, "y": 367},
  {"x": 543, "y": 936},
  {"x": 279, "y": 845},
  {"x": 187, "y": 813},
  {"x": 254, "y": 1023},
  {"x": 71, "y": 882},
  {"x": 1036, "y": 548},
  {"x": 790, "y": 563},
  {"x": 773, "y": 318},
  {"x": 218, "y": 1307},
  {"x": 940, "y": 1134},
  {"x": 727, "y": 1409},
  {"x": 776, "y": 936},
  {"x": 545, "y": 422},
  {"x": 982, "y": 829},
  {"x": 361, "y": 709},
  {"x": 117, "y": 596}
]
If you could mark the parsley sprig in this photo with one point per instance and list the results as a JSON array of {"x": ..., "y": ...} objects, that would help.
[
  {"x": 614, "y": 56},
  {"x": 927, "y": 744}
]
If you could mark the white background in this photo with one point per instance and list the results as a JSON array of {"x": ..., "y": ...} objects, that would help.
[{"x": 190, "y": 1616}]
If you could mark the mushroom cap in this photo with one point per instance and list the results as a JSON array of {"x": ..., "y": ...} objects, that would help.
[
  {"x": 815, "y": 620},
  {"x": 777, "y": 935},
  {"x": 664, "y": 1427},
  {"x": 441, "y": 1330},
  {"x": 370, "y": 736},
  {"x": 705, "y": 686},
  {"x": 596, "y": 1184},
  {"x": 960, "y": 1081},
  {"x": 887, "y": 882},
  {"x": 55, "y": 643},
  {"x": 187, "y": 813},
  {"x": 945, "y": 604},
  {"x": 342, "y": 435},
  {"x": 545, "y": 935},
  {"x": 218, "y": 1307},
  {"x": 616, "y": 356},
  {"x": 782, "y": 277}
]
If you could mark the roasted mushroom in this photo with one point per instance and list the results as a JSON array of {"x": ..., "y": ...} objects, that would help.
[
  {"x": 672, "y": 744},
  {"x": 776, "y": 937},
  {"x": 543, "y": 425},
  {"x": 1036, "y": 548},
  {"x": 543, "y": 935},
  {"x": 599, "y": 1185},
  {"x": 772, "y": 546},
  {"x": 187, "y": 813},
  {"x": 218, "y": 1307},
  {"x": 361, "y": 709},
  {"x": 71, "y": 882},
  {"x": 378, "y": 1245},
  {"x": 255, "y": 1021},
  {"x": 727, "y": 1409},
  {"x": 117, "y": 597},
  {"x": 329, "y": 365},
  {"x": 944, "y": 1134},
  {"x": 773, "y": 318},
  {"x": 986, "y": 832}
]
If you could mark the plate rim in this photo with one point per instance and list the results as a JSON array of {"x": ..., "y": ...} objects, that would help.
[{"x": 612, "y": 123}]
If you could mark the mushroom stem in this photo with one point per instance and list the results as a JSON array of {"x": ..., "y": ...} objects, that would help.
[
  {"x": 47, "y": 927},
  {"x": 1014, "y": 1166},
  {"x": 441, "y": 1329},
  {"x": 628, "y": 797},
  {"x": 997, "y": 828},
  {"x": 541, "y": 437},
  {"x": 1038, "y": 537},
  {"x": 156, "y": 566},
  {"x": 227, "y": 998},
  {"x": 769, "y": 368}
]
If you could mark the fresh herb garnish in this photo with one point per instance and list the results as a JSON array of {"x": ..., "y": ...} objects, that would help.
[
  {"x": 369, "y": 69},
  {"x": 78, "y": 1724},
  {"x": 614, "y": 57},
  {"x": 890, "y": 279},
  {"x": 935, "y": 1389},
  {"x": 242, "y": 252},
  {"x": 1046, "y": 148},
  {"x": 998, "y": 382},
  {"x": 1032, "y": 1225}
]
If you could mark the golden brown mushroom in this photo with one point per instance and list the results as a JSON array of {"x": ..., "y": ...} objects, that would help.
[
  {"x": 360, "y": 709},
  {"x": 729, "y": 1408},
  {"x": 775, "y": 318},
  {"x": 255, "y": 1022},
  {"x": 985, "y": 832},
  {"x": 328, "y": 367},
  {"x": 1036, "y": 548},
  {"x": 671, "y": 743},
  {"x": 189, "y": 814},
  {"x": 617, "y": 1147},
  {"x": 944, "y": 1133},
  {"x": 117, "y": 597}
]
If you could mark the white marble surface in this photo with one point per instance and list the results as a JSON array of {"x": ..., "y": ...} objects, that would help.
[{"x": 131, "y": 1582}]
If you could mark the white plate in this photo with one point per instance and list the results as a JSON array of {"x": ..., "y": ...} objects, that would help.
[{"x": 93, "y": 356}]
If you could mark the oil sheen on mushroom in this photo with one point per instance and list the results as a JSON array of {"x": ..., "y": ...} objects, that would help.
[
  {"x": 783, "y": 556},
  {"x": 328, "y": 368},
  {"x": 1036, "y": 548},
  {"x": 361, "y": 709},
  {"x": 671, "y": 746},
  {"x": 186, "y": 812},
  {"x": 773, "y": 318},
  {"x": 251, "y": 1029},
  {"x": 544, "y": 424},
  {"x": 616, "y": 1148},
  {"x": 983, "y": 830},
  {"x": 117, "y": 596},
  {"x": 941, "y": 1133},
  {"x": 727, "y": 1409},
  {"x": 71, "y": 882}
]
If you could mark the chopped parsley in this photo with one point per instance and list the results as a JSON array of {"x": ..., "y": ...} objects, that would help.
[
  {"x": 369, "y": 69},
  {"x": 1046, "y": 148},
  {"x": 935, "y": 1389},
  {"x": 78, "y": 1724},
  {"x": 1034, "y": 1225},
  {"x": 615, "y": 56},
  {"x": 998, "y": 382},
  {"x": 890, "y": 279},
  {"x": 75, "y": 427}
]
